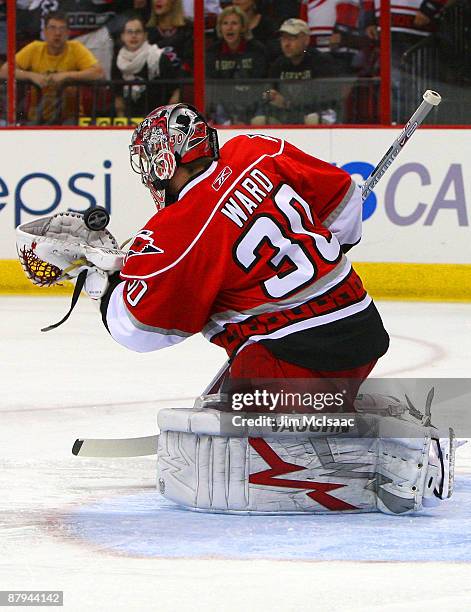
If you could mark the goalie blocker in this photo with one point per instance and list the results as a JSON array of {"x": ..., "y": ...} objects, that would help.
[{"x": 396, "y": 465}]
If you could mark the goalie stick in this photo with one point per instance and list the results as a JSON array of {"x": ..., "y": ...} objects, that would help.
[
  {"x": 116, "y": 447},
  {"x": 134, "y": 447},
  {"x": 137, "y": 447},
  {"x": 431, "y": 99}
]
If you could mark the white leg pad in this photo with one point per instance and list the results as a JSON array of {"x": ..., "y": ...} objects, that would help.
[{"x": 299, "y": 473}]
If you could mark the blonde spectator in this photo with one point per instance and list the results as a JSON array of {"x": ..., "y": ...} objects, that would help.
[
  {"x": 235, "y": 58},
  {"x": 236, "y": 55}
]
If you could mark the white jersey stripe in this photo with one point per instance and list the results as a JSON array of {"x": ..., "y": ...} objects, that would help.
[{"x": 124, "y": 331}]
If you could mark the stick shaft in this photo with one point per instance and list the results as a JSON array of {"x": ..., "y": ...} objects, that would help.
[
  {"x": 431, "y": 99},
  {"x": 127, "y": 447}
]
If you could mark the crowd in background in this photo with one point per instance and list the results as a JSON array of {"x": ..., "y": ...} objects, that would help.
[{"x": 267, "y": 61}]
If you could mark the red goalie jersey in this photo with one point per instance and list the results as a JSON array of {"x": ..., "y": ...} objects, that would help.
[{"x": 253, "y": 251}]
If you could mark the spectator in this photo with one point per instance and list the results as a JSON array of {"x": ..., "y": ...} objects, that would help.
[
  {"x": 236, "y": 56},
  {"x": 137, "y": 60},
  {"x": 173, "y": 32},
  {"x": 50, "y": 65},
  {"x": 89, "y": 22},
  {"x": 295, "y": 66}
]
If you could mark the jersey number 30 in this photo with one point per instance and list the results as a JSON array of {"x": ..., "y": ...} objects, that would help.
[{"x": 265, "y": 230}]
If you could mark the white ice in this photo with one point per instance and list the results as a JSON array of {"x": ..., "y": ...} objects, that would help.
[{"x": 98, "y": 530}]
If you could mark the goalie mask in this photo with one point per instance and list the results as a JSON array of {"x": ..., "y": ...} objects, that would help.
[{"x": 169, "y": 137}]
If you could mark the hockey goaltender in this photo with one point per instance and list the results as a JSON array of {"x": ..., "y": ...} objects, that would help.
[{"x": 248, "y": 246}]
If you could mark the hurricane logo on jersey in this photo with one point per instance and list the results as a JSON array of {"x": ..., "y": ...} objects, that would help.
[{"x": 144, "y": 245}]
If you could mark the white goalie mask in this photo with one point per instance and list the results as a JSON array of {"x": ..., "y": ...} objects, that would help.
[{"x": 169, "y": 137}]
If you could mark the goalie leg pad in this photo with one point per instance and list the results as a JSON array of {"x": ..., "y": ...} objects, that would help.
[{"x": 201, "y": 469}]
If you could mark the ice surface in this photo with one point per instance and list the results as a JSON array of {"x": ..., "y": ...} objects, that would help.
[
  {"x": 147, "y": 524},
  {"x": 98, "y": 530}
]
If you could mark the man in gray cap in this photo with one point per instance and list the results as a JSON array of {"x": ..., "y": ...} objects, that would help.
[{"x": 289, "y": 102}]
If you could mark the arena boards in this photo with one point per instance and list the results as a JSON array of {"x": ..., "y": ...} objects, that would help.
[{"x": 415, "y": 241}]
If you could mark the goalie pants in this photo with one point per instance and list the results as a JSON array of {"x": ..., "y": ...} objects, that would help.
[{"x": 257, "y": 362}]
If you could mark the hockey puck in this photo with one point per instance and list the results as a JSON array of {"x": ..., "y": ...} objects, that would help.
[{"x": 96, "y": 218}]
